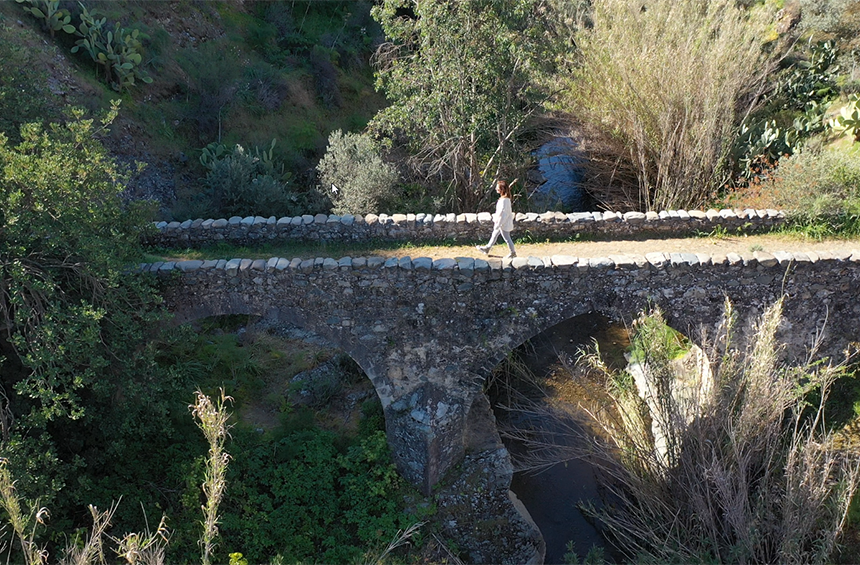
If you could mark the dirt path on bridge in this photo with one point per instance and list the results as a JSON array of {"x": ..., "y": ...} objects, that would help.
[
  {"x": 707, "y": 245},
  {"x": 740, "y": 244}
]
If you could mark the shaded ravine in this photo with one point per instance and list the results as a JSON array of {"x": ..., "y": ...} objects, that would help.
[{"x": 552, "y": 496}]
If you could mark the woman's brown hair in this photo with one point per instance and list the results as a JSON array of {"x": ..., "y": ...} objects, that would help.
[{"x": 504, "y": 189}]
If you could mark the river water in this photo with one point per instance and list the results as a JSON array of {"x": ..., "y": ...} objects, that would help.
[
  {"x": 552, "y": 495},
  {"x": 559, "y": 163}
]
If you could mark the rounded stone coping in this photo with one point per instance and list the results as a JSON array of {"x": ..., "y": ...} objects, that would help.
[
  {"x": 644, "y": 218},
  {"x": 251, "y": 230},
  {"x": 469, "y": 265}
]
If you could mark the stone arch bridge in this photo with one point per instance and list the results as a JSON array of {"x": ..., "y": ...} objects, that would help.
[{"x": 428, "y": 332}]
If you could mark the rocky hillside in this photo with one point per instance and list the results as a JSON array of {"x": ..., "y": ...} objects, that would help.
[{"x": 232, "y": 72}]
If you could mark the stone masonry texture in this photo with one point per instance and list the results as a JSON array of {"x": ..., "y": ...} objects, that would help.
[
  {"x": 253, "y": 230},
  {"x": 428, "y": 332}
]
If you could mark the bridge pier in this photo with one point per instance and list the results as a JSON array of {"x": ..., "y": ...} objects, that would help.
[{"x": 426, "y": 428}]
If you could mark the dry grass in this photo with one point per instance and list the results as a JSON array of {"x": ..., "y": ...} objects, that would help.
[
  {"x": 744, "y": 470},
  {"x": 146, "y": 548},
  {"x": 661, "y": 87}
]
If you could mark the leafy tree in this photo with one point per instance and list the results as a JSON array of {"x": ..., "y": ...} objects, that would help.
[
  {"x": 73, "y": 317},
  {"x": 463, "y": 79}
]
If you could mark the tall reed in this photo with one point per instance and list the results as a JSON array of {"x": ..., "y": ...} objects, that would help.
[
  {"x": 728, "y": 461},
  {"x": 660, "y": 88}
]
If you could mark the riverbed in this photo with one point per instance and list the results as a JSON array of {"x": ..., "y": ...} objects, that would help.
[{"x": 553, "y": 495}]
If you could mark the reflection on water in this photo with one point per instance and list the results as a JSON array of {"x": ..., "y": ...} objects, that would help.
[
  {"x": 552, "y": 495},
  {"x": 560, "y": 165}
]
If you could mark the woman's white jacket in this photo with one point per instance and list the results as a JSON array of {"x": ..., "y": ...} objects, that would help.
[{"x": 504, "y": 216}]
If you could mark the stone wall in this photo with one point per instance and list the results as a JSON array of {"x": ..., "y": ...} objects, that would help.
[
  {"x": 428, "y": 332},
  {"x": 465, "y": 227}
]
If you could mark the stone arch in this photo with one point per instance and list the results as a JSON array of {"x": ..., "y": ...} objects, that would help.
[
  {"x": 188, "y": 311},
  {"x": 609, "y": 304}
]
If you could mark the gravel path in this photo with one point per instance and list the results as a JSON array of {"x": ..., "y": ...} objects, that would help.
[{"x": 708, "y": 245}]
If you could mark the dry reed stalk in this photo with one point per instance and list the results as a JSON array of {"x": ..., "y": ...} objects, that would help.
[
  {"x": 92, "y": 550},
  {"x": 144, "y": 548},
  {"x": 23, "y": 524},
  {"x": 752, "y": 474},
  {"x": 401, "y": 538},
  {"x": 663, "y": 87},
  {"x": 212, "y": 419}
]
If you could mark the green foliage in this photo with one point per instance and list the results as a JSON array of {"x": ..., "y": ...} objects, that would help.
[
  {"x": 595, "y": 555},
  {"x": 762, "y": 145},
  {"x": 820, "y": 188},
  {"x": 81, "y": 379},
  {"x": 66, "y": 243},
  {"x": 302, "y": 498},
  {"x": 662, "y": 92},
  {"x": 812, "y": 79},
  {"x": 653, "y": 338},
  {"x": 354, "y": 174},
  {"x": 118, "y": 51},
  {"x": 23, "y": 95},
  {"x": 464, "y": 79},
  {"x": 827, "y": 17},
  {"x": 49, "y": 12},
  {"x": 800, "y": 99},
  {"x": 240, "y": 182}
]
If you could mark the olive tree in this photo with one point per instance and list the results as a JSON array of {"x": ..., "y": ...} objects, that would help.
[
  {"x": 463, "y": 77},
  {"x": 355, "y": 176}
]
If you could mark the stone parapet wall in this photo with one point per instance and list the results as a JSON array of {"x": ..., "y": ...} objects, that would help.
[
  {"x": 462, "y": 227},
  {"x": 754, "y": 262}
]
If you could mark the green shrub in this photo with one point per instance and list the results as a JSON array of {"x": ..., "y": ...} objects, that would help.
[
  {"x": 243, "y": 183},
  {"x": 353, "y": 171},
  {"x": 24, "y": 96},
  {"x": 213, "y": 76},
  {"x": 818, "y": 184},
  {"x": 325, "y": 77},
  {"x": 302, "y": 498},
  {"x": 825, "y": 17},
  {"x": 848, "y": 120}
]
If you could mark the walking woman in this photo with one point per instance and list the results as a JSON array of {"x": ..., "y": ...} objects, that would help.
[{"x": 503, "y": 221}]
